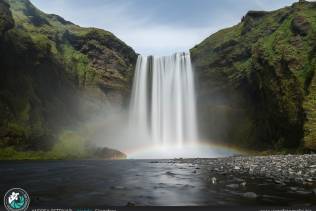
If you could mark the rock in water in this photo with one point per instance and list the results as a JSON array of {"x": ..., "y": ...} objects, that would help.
[
  {"x": 243, "y": 184},
  {"x": 118, "y": 187},
  {"x": 232, "y": 186},
  {"x": 303, "y": 192},
  {"x": 170, "y": 173},
  {"x": 213, "y": 180},
  {"x": 293, "y": 188},
  {"x": 130, "y": 204},
  {"x": 250, "y": 195}
]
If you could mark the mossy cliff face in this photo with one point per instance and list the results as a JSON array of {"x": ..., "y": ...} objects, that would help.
[
  {"x": 94, "y": 57},
  {"x": 256, "y": 84},
  {"x": 53, "y": 74},
  {"x": 256, "y": 80},
  {"x": 6, "y": 20}
]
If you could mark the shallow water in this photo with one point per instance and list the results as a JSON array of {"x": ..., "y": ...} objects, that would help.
[{"x": 143, "y": 182}]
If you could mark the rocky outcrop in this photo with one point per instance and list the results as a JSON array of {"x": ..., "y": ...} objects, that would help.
[
  {"x": 300, "y": 25},
  {"x": 110, "y": 58},
  {"x": 251, "y": 19},
  {"x": 254, "y": 78}
]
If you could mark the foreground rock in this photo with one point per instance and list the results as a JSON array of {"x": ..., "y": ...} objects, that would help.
[{"x": 281, "y": 169}]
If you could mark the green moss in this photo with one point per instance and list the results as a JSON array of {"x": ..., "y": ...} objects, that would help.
[
  {"x": 263, "y": 68},
  {"x": 6, "y": 20},
  {"x": 48, "y": 72},
  {"x": 9, "y": 153},
  {"x": 69, "y": 146},
  {"x": 78, "y": 66}
]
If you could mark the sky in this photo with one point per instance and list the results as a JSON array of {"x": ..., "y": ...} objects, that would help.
[{"x": 157, "y": 27}]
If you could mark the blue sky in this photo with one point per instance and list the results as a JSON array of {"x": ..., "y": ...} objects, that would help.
[{"x": 158, "y": 27}]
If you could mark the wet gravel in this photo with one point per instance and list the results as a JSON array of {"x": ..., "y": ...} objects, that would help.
[
  {"x": 292, "y": 174},
  {"x": 282, "y": 169}
]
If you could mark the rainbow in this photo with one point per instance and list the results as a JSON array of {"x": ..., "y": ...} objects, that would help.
[{"x": 198, "y": 150}]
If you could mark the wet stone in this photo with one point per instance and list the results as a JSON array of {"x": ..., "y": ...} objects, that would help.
[
  {"x": 118, "y": 187},
  {"x": 243, "y": 184},
  {"x": 293, "y": 188},
  {"x": 213, "y": 180},
  {"x": 130, "y": 204},
  {"x": 301, "y": 192},
  {"x": 250, "y": 195},
  {"x": 170, "y": 173},
  {"x": 232, "y": 186}
]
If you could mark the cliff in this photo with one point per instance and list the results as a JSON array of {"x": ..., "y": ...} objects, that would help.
[
  {"x": 53, "y": 74},
  {"x": 256, "y": 80},
  {"x": 256, "y": 83}
]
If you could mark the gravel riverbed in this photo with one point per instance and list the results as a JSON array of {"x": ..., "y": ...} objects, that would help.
[
  {"x": 297, "y": 173},
  {"x": 282, "y": 169}
]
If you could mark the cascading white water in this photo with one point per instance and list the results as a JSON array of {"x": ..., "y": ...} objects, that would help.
[{"x": 163, "y": 100}]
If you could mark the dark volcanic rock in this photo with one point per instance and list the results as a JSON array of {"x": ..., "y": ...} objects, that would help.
[
  {"x": 251, "y": 19},
  {"x": 130, "y": 204},
  {"x": 255, "y": 14},
  {"x": 233, "y": 186},
  {"x": 300, "y": 25},
  {"x": 250, "y": 195}
]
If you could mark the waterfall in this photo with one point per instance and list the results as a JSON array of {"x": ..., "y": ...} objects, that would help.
[{"x": 162, "y": 107}]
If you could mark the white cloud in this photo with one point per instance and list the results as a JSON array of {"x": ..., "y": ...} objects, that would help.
[
  {"x": 139, "y": 29},
  {"x": 142, "y": 33},
  {"x": 164, "y": 39}
]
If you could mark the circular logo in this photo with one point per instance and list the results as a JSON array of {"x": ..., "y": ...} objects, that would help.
[{"x": 16, "y": 199}]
